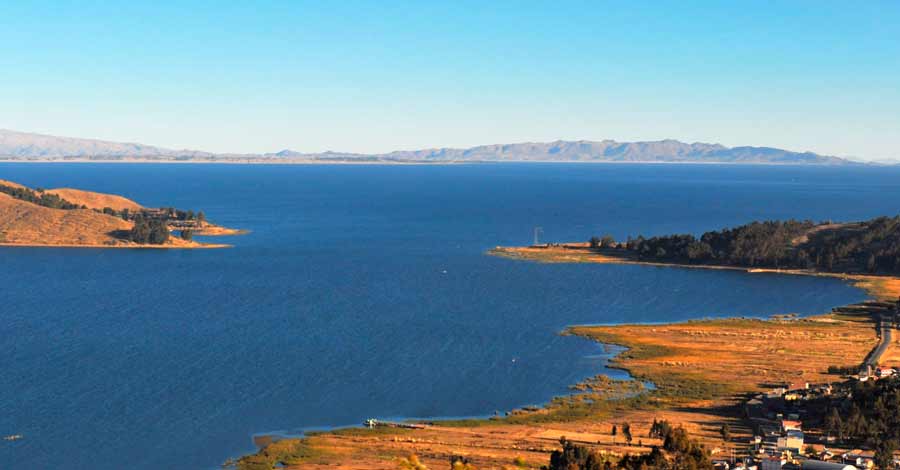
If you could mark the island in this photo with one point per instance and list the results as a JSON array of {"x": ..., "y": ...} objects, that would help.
[
  {"x": 68, "y": 217},
  {"x": 704, "y": 392}
]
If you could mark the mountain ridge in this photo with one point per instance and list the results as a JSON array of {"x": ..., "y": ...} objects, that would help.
[{"x": 16, "y": 145}]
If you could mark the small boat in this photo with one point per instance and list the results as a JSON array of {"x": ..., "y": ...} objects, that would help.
[{"x": 12, "y": 437}]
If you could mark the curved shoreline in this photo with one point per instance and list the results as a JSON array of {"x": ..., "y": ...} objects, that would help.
[
  {"x": 690, "y": 363},
  {"x": 879, "y": 286}
]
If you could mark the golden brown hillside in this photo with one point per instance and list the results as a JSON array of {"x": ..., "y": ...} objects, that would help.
[
  {"x": 11, "y": 184},
  {"x": 30, "y": 224},
  {"x": 94, "y": 200},
  {"x": 27, "y": 219}
]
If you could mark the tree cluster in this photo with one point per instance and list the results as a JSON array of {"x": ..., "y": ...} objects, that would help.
[
  {"x": 149, "y": 232},
  {"x": 679, "y": 452},
  {"x": 870, "y": 416},
  {"x": 40, "y": 198},
  {"x": 576, "y": 457},
  {"x": 870, "y": 246},
  {"x": 178, "y": 214}
]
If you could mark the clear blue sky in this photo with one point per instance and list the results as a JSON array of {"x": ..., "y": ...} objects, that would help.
[{"x": 383, "y": 75}]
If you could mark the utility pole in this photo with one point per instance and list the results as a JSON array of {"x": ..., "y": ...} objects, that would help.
[{"x": 537, "y": 231}]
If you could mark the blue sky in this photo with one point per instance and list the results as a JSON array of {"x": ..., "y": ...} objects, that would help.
[{"x": 378, "y": 76}]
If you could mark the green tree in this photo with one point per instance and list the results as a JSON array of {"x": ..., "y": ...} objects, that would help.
[
  {"x": 626, "y": 431},
  {"x": 159, "y": 232},
  {"x": 574, "y": 457},
  {"x": 834, "y": 425},
  {"x": 140, "y": 232},
  {"x": 884, "y": 454},
  {"x": 607, "y": 241}
]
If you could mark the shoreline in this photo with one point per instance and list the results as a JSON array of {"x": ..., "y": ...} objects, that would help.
[
  {"x": 690, "y": 365},
  {"x": 679, "y": 395},
  {"x": 885, "y": 287},
  {"x": 199, "y": 246}
]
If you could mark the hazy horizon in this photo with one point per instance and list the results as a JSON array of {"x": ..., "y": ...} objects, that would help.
[
  {"x": 275, "y": 148},
  {"x": 373, "y": 78}
]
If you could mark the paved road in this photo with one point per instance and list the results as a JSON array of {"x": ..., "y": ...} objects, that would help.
[{"x": 875, "y": 356}]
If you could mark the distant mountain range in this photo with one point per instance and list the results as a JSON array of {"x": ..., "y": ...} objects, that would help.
[{"x": 36, "y": 147}]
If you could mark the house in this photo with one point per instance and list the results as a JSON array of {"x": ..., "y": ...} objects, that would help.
[
  {"x": 820, "y": 465},
  {"x": 772, "y": 463},
  {"x": 754, "y": 406},
  {"x": 770, "y": 444},
  {"x": 860, "y": 458},
  {"x": 792, "y": 440},
  {"x": 798, "y": 386},
  {"x": 791, "y": 425}
]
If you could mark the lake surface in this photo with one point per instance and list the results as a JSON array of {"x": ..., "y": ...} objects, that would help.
[{"x": 362, "y": 291}]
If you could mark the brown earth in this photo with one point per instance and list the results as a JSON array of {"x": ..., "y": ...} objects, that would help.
[
  {"x": 211, "y": 230},
  {"x": 23, "y": 223},
  {"x": 94, "y": 200},
  {"x": 11, "y": 184}
]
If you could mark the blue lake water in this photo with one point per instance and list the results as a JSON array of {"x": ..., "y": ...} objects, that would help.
[{"x": 362, "y": 291}]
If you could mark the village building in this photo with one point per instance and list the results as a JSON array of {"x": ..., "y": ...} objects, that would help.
[
  {"x": 820, "y": 465},
  {"x": 860, "y": 458},
  {"x": 791, "y": 441},
  {"x": 772, "y": 463},
  {"x": 791, "y": 425}
]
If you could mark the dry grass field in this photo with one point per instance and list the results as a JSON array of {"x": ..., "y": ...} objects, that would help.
[
  {"x": 24, "y": 223},
  {"x": 701, "y": 370},
  {"x": 94, "y": 200}
]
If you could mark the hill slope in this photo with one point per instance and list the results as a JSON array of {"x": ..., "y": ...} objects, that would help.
[
  {"x": 25, "y": 146},
  {"x": 72, "y": 217},
  {"x": 94, "y": 200},
  {"x": 25, "y": 223}
]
